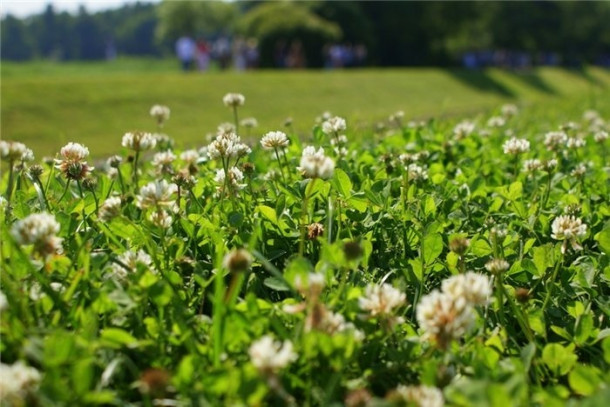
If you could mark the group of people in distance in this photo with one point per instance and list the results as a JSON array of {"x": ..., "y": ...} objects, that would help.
[{"x": 242, "y": 53}]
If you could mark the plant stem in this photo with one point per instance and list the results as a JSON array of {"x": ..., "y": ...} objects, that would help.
[
  {"x": 551, "y": 285},
  {"x": 304, "y": 214}
]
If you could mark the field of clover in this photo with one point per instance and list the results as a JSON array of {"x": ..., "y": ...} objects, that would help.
[{"x": 408, "y": 263}]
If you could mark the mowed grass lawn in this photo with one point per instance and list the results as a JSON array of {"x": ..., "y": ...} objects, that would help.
[{"x": 47, "y": 105}]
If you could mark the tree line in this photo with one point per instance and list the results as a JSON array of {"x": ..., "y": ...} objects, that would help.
[{"x": 394, "y": 33}]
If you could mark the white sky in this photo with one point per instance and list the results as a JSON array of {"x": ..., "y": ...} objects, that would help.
[{"x": 23, "y": 8}]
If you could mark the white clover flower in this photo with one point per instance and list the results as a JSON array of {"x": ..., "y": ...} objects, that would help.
[
  {"x": 579, "y": 171},
  {"x": 36, "y": 292},
  {"x": 233, "y": 99},
  {"x": 161, "y": 218},
  {"x": 509, "y": 110},
  {"x": 128, "y": 263},
  {"x": 227, "y": 145},
  {"x": 111, "y": 208},
  {"x": 314, "y": 164},
  {"x": 330, "y": 322},
  {"x": 72, "y": 163},
  {"x": 473, "y": 288},
  {"x": 163, "y": 141},
  {"x": 442, "y": 318},
  {"x": 236, "y": 178},
  {"x": 549, "y": 165},
  {"x": 139, "y": 141},
  {"x": 420, "y": 396},
  {"x": 249, "y": 122},
  {"x": 163, "y": 161},
  {"x": 160, "y": 112},
  {"x": 555, "y": 139},
  {"x": 334, "y": 125},
  {"x": 568, "y": 228},
  {"x": 516, "y": 146},
  {"x": 590, "y": 115},
  {"x": 224, "y": 128},
  {"x": 381, "y": 300},
  {"x": 532, "y": 165},
  {"x": 190, "y": 157},
  {"x": 13, "y": 150},
  {"x": 3, "y": 302},
  {"x": 575, "y": 142},
  {"x": 274, "y": 140},
  {"x": 496, "y": 121},
  {"x": 157, "y": 194},
  {"x": 339, "y": 140},
  {"x": 28, "y": 155},
  {"x": 417, "y": 173},
  {"x": 324, "y": 117},
  {"x": 600, "y": 136},
  {"x": 113, "y": 173},
  {"x": 312, "y": 287},
  {"x": 17, "y": 381},
  {"x": 3, "y": 203},
  {"x": 270, "y": 356},
  {"x": 463, "y": 130},
  {"x": 497, "y": 266},
  {"x": 498, "y": 232},
  {"x": 40, "y": 230}
]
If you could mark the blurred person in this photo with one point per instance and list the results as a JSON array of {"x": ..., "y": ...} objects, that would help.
[
  {"x": 185, "y": 50},
  {"x": 239, "y": 54},
  {"x": 203, "y": 55},
  {"x": 296, "y": 56},
  {"x": 252, "y": 54},
  {"x": 222, "y": 50}
]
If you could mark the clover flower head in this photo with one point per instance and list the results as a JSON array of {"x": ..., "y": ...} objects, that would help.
[
  {"x": 157, "y": 194},
  {"x": 600, "y": 136},
  {"x": 463, "y": 129},
  {"x": 555, "y": 139},
  {"x": 532, "y": 165},
  {"x": 568, "y": 228},
  {"x": 17, "y": 381},
  {"x": 314, "y": 164},
  {"x": 160, "y": 113},
  {"x": 270, "y": 356},
  {"x": 274, "y": 140},
  {"x": 13, "y": 151},
  {"x": 473, "y": 288},
  {"x": 496, "y": 121},
  {"x": 110, "y": 209},
  {"x": 575, "y": 142},
  {"x": 139, "y": 141},
  {"x": 249, "y": 122},
  {"x": 334, "y": 125},
  {"x": 417, "y": 173},
  {"x": 312, "y": 286},
  {"x": 233, "y": 100},
  {"x": 509, "y": 110},
  {"x": 442, "y": 318},
  {"x": 128, "y": 263},
  {"x": 190, "y": 157},
  {"x": 237, "y": 261},
  {"x": 40, "y": 230},
  {"x": 497, "y": 266},
  {"x": 420, "y": 396},
  {"x": 579, "y": 171},
  {"x": 516, "y": 146},
  {"x": 381, "y": 300}
]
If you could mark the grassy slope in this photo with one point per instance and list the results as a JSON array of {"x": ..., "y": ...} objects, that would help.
[{"x": 47, "y": 105}]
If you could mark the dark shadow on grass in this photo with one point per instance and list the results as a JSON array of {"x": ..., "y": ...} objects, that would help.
[
  {"x": 584, "y": 73},
  {"x": 533, "y": 80},
  {"x": 481, "y": 81}
]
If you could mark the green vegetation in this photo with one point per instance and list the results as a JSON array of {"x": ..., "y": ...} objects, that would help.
[
  {"x": 46, "y": 105},
  {"x": 441, "y": 262}
]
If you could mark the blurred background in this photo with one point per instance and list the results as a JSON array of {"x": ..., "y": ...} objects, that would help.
[{"x": 311, "y": 34}]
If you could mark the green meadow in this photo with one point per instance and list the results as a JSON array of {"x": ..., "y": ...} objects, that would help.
[{"x": 45, "y": 105}]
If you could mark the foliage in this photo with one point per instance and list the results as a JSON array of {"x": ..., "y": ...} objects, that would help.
[{"x": 149, "y": 302}]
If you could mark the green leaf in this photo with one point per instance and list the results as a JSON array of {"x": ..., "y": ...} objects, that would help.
[
  {"x": 342, "y": 183},
  {"x": 606, "y": 348},
  {"x": 584, "y": 380},
  {"x": 432, "y": 247},
  {"x": 268, "y": 213},
  {"x": 583, "y": 330},
  {"x": 429, "y": 206},
  {"x": 276, "y": 284},
  {"x": 543, "y": 258},
  {"x": 603, "y": 239},
  {"x": 558, "y": 359},
  {"x": 118, "y": 336}
]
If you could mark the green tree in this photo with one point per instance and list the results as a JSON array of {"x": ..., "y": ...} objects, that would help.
[{"x": 16, "y": 44}]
